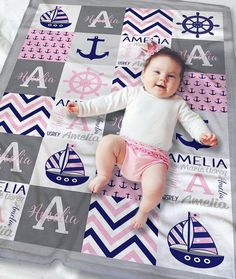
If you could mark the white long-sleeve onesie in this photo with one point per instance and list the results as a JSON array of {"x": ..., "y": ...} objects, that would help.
[{"x": 148, "y": 119}]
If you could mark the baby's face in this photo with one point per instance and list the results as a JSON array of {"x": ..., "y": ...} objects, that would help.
[{"x": 161, "y": 78}]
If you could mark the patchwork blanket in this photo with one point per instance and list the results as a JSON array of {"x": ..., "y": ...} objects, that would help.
[{"x": 78, "y": 50}]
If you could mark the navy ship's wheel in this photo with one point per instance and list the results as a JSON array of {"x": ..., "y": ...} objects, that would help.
[{"x": 198, "y": 24}]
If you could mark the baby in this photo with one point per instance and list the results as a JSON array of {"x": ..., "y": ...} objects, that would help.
[{"x": 152, "y": 111}]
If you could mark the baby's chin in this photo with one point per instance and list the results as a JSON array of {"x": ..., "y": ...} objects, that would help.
[{"x": 163, "y": 94}]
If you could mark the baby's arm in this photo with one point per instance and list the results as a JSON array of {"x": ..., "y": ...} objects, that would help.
[
  {"x": 195, "y": 126},
  {"x": 101, "y": 105}
]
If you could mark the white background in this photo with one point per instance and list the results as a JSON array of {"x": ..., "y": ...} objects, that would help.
[{"x": 11, "y": 13}]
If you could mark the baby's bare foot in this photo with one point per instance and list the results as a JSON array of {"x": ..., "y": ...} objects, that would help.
[
  {"x": 98, "y": 183},
  {"x": 139, "y": 219}
]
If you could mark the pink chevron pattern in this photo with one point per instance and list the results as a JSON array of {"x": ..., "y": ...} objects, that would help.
[
  {"x": 20, "y": 114},
  {"x": 46, "y": 45},
  {"x": 141, "y": 22},
  {"x": 204, "y": 91},
  {"x": 125, "y": 77},
  {"x": 109, "y": 232}
]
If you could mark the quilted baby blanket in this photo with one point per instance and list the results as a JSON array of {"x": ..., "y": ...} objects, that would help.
[{"x": 79, "y": 50}]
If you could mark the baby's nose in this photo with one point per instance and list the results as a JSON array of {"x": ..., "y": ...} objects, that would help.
[{"x": 163, "y": 78}]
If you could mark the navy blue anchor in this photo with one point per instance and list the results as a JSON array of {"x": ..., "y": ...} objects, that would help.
[
  {"x": 202, "y": 76},
  {"x": 197, "y": 99},
  {"x": 207, "y": 84},
  {"x": 212, "y": 92},
  {"x": 222, "y": 78},
  {"x": 192, "y": 107},
  {"x": 93, "y": 55},
  {"x": 193, "y": 143},
  {"x": 207, "y": 100},
  {"x": 135, "y": 187},
  {"x": 192, "y": 75},
  {"x": 223, "y": 109},
  {"x": 127, "y": 195},
  {"x": 222, "y": 93},
  {"x": 186, "y": 98},
  {"x": 191, "y": 90},
  {"x": 111, "y": 184},
  {"x": 123, "y": 186},
  {"x": 202, "y": 91},
  {"x": 213, "y": 109},
  {"x": 202, "y": 108},
  {"x": 118, "y": 174},
  {"x": 212, "y": 77}
]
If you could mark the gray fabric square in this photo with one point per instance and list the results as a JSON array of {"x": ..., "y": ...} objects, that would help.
[
  {"x": 113, "y": 122},
  {"x": 105, "y": 20},
  {"x": 201, "y": 56},
  {"x": 18, "y": 156},
  {"x": 35, "y": 77},
  {"x": 54, "y": 218},
  {"x": 97, "y": 49}
]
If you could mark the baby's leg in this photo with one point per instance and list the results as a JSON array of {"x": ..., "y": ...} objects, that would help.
[
  {"x": 110, "y": 150},
  {"x": 153, "y": 184}
]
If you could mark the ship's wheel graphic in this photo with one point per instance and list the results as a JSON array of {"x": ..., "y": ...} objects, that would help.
[
  {"x": 85, "y": 83},
  {"x": 198, "y": 24}
]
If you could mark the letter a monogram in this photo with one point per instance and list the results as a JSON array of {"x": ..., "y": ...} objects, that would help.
[
  {"x": 14, "y": 159},
  {"x": 101, "y": 17},
  {"x": 59, "y": 217},
  {"x": 39, "y": 79}
]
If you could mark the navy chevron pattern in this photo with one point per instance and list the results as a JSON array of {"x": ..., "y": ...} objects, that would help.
[
  {"x": 109, "y": 231},
  {"x": 149, "y": 22},
  {"x": 25, "y": 114},
  {"x": 112, "y": 254},
  {"x": 124, "y": 76}
]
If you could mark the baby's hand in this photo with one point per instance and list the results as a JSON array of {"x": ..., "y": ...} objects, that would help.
[
  {"x": 209, "y": 139},
  {"x": 72, "y": 107}
]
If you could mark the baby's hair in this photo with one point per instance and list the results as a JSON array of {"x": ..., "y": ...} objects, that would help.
[{"x": 165, "y": 51}]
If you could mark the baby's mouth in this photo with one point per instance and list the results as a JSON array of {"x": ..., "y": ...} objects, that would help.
[{"x": 160, "y": 86}]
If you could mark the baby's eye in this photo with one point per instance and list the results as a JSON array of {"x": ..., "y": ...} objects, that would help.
[
  {"x": 157, "y": 72},
  {"x": 171, "y": 76}
]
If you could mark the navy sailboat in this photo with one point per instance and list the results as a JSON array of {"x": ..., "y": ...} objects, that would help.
[
  {"x": 55, "y": 19},
  {"x": 66, "y": 168},
  {"x": 191, "y": 244}
]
